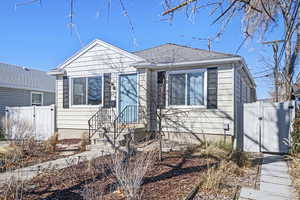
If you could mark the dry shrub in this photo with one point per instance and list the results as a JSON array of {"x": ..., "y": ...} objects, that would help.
[
  {"x": 295, "y": 172},
  {"x": 129, "y": 171},
  {"x": 240, "y": 158},
  {"x": 9, "y": 157},
  {"x": 19, "y": 129},
  {"x": 52, "y": 142},
  {"x": 94, "y": 167},
  {"x": 213, "y": 150},
  {"x": 216, "y": 176},
  {"x": 84, "y": 142},
  {"x": 14, "y": 188}
]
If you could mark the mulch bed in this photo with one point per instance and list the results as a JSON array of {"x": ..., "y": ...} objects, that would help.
[
  {"x": 173, "y": 178},
  {"x": 36, "y": 155}
]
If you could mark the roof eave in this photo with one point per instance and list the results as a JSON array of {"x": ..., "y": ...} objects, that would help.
[
  {"x": 56, "y": 72},
  {"x": 248, "y": 71},
  {"x": 186, "y": 64}
]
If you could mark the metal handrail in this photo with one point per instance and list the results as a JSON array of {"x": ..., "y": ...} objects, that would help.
[
  {"x": 130, "y": 115},
  {"x": 98, "y": 120}
]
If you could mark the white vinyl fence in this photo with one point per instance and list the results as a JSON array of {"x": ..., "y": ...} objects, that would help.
[
  {"x": 267, "y": 126},
  {"x": 36, "y": 121}
]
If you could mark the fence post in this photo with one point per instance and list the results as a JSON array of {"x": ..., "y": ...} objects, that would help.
[{"x": 6, "y": 120}]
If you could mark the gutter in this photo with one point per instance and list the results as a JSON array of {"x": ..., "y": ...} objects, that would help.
[
  {"x": 159, "y": 66},
  {"x": 186, "y": 64},
  {"x": 56, "y": 72}
]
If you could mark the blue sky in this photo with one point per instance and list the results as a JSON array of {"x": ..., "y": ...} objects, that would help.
[{"x": 38, "y": 36}]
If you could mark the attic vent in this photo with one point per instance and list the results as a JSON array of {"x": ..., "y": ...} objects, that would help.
[{"x": 25, "y": 68}]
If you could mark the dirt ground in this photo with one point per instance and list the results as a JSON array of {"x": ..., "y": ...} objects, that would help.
[
  {"x": 173, "y": 178},
  {"x": 37, "y": 154}
]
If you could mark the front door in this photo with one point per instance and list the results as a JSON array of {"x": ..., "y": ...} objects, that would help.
[{"x": 128, "y": 97}]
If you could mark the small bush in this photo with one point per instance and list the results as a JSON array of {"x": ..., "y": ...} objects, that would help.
[
  {"x": 216, "y": 176},
  {"x": 226, "y": 146},
  {"x": 52, "y": 142},
  {"x": 129, "y": 171},
  {"x": 295, "y": 172},
  {"x": 84, "y": 142},
  {"x": 240, "y": 158}
]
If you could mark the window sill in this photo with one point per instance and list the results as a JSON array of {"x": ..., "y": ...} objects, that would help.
[
  {"x": 86, "y": 106},
  {"x": 186, "y": 107}
]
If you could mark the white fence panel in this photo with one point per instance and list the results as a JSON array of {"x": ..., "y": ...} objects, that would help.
[
  {"x": 251, "y": 127},
  {"x": 38, "y": 120},
  {"x": 267, "y": 126}
]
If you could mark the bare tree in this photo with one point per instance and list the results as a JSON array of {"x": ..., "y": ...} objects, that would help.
[{"x": 259, "y": 17}]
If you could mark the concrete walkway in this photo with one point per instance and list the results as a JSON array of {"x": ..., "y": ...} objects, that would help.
[
  {"x": 275, "y": 182},
  {"x": 27, "y": 173}
]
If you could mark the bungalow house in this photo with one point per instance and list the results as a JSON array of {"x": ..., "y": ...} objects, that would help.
[
  {"x": 20, "y": 86},
  {"x": 191, "y": 94}
]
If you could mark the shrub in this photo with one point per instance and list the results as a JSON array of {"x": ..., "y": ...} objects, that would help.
[
  {"x": 240, "y": 158},
  {"x": 129, "y": 171},
  {"x": 84, "y": 142},
  {"x": 52, "y": 142}
]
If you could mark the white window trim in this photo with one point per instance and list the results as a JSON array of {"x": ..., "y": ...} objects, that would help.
[
  {"x": 185, "y": 72},
  {"x": 42, "y": 97},
  {"x": 86, "y": 79}
]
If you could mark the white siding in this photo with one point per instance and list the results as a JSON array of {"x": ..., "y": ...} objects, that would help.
[
  {"x": 242, "y": 96},
  {"x": 207, "y": 121},
  {"x": 96, "y": 61}
]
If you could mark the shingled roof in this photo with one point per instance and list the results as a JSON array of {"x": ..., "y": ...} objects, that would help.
[
  {"x": 13, "y": 76},
  {"x": 174, "y": 53}
]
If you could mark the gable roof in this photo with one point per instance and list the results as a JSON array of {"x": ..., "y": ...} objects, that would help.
[
  {"x": 13, "y": 76},
  {"x": 174, "y": 53},
  {"x": 88, "y": 47}
]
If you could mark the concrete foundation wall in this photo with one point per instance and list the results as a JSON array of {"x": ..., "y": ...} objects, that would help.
[{"x": 187, "y": 138}]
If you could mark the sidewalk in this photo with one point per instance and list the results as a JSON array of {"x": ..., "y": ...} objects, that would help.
[
  {"x": 27, "y": 173},
  {"x": 275, "y": 182}
]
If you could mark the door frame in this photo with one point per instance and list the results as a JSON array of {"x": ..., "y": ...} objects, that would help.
[{"x": 137, "y": 90}]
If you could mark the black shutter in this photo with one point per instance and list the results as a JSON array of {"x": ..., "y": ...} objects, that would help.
[
  {"x": 161, "y": 89},
  {"x": 212, "y": 88},
  {"x": 107, "y": 90},
  {"x": 65, "y": 92}
]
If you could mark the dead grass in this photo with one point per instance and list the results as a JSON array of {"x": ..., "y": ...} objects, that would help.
[
  {"x": 232, "y": 167},
  {"x": 295, "y": 172},
  {"x": 84, "y": 142},
  {"x": 52, "y": 142},
  {"x": 216, "y": 177}
]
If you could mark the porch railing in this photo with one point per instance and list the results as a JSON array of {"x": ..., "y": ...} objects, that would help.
[
  {"x": 102, "y": 118},
  {"x": 129, "y": 117}
]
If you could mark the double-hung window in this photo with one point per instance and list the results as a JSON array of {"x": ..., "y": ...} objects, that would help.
[
  {"x": 36, "y": 98},
  {"x": 87, "y": 90},
  {"x": 187, "y": 88}
]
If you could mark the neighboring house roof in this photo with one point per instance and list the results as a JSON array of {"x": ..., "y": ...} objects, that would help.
[
  {"x": 13, "y": 76},
  {"x": 174, "y": 53}
]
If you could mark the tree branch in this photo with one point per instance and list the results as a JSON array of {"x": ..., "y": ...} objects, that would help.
[{"x": 183, "y": 4}]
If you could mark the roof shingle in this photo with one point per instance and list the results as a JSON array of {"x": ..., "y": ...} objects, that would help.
[
  {"x": 25, "y": 78},
  {"x": 173, "y": 53}
]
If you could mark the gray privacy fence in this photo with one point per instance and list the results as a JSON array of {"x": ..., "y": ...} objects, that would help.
[
  {"x": 33, "y": 121},
  {"x": 267, "y": 126}
]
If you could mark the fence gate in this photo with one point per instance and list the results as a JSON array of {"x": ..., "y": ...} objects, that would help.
[
  {"x": 39, "y": 121},
  {"x": 267, "y": 126}
]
